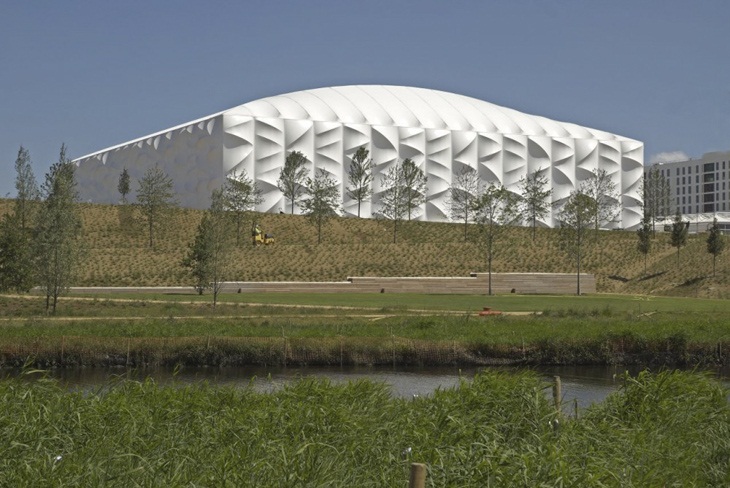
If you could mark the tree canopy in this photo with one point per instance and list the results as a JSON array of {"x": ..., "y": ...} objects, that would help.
[
  {"x": 155, "y": 199},
  {"x": 462, "y": 195},
  {"x": 496, "y": 209},
  {"x": 208, "y": 255},
  {"x": 323, "y": 200},
  {"x": 293, "y": 177},
  {"x": 360, "y": 177},
  {"x": 644, "y": 234},
  {"x": 414, "y": 182},
  {"x": 123, "y": 185},
  {"x": 602, "y": 189},
  {"x": 535, "y": 193},
  {"x": 240, "y": 195},
  {"x": 26, "y": 186},
  {"x": 576, "y": 219},
  {"x": 715, "y": 243},
  {"x": 678, "y": 236},
  {"x": 58, "y": 227}
]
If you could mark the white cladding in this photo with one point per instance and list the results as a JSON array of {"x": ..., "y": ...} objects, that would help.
[{"x": 441, "y": 132}]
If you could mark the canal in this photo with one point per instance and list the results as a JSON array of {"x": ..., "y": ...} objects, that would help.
[{"x": 581, "y": 385}]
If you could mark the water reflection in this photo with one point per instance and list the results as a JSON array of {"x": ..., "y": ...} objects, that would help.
[{"x": 582, "y": 384}]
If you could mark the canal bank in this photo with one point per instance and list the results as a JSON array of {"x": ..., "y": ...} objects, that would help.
[{"x": 218, "y": 351}]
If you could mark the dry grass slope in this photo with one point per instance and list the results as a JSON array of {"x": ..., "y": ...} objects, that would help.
[{"x": 117, "y": 254}]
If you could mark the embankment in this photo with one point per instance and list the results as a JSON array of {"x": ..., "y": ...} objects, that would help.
[{"x": 74, "y": 351}]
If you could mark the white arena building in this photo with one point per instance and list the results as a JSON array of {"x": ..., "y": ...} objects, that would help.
[{"x": 441, "y": 132}]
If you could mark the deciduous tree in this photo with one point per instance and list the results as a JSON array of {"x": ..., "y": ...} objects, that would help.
[
  {"x": 123, "y": 185},
  {"x": 240, "y": 195},
  {"x": 208, "y": 255},
  {"x": 576, "y": 219},
  {"x": 678, "y": 237},
  {"x": 393, "y": 202},
  {"x": 414, "y": 181},
  {"x": 28, "y": 194},
  {"x": 16, "y": 255},
  {"x": 322, "y": 201},
  {"x": 601, "y": 188},
  {"x": 16, "y": 249},
  {"x": 715, "y": 243},
  {"x": 495, "y": 210},
  {"x": 462, "y": 195},
  {"x": 360, "y": 177},
  {"x": 644, "y": 234},
  {"x": 155, "y": 199},
  {"x": 656, "y": 192},
  {"x": 535, "y": 193},
  {"x": 57, "y": 231},
  {"x": 292, "y": 177}
]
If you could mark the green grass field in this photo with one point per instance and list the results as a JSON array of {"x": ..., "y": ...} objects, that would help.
[
  {"x": 312, "y": 329},
  {"x": 456, "y": 303}
]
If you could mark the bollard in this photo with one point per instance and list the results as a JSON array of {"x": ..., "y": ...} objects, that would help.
[
  {"x": 557, "y": 393},
  {"x": 418, "y": 476}
]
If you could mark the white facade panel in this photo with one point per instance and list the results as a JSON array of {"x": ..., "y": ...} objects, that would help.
[{"x": 441, "y": 132}]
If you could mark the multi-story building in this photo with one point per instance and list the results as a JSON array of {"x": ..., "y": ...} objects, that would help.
[{"x": 700, "y": 189}]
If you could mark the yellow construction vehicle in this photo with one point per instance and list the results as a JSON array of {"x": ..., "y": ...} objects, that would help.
[{"x": 261, "y": 238}]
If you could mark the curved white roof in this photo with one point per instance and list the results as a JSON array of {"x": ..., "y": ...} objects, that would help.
[{"x": 405, "y": 106}]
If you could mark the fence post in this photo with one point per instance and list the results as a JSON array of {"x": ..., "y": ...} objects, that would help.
[
  {"x": 557, "y": 392},
  {"x": 418, "y": 476}
]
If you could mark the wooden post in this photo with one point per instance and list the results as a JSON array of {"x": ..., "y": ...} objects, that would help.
[
  {"x": 557, "y": 392},
  {"x": 418, "y": 476}
]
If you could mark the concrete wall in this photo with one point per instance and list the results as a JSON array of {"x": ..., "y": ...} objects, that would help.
[{"x": 477, "y": 283}]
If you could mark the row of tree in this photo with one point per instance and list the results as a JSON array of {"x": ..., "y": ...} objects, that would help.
[
  {"x": 678, "y": 238},
  {"x": 39, "y": 242}
]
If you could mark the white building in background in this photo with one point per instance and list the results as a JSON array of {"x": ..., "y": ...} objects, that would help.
[
  {"x": 700, "y": 189},
  {"x": 441, "y": 132}
]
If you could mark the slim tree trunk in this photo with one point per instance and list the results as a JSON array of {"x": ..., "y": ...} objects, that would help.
[
  {"x": 578, "y": 252},
  {"x": 489, "y": 269},
  {"x": 238, "y": 228},
  {"x": 534, "y": 224}
]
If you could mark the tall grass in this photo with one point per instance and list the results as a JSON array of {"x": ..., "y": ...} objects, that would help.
[
  {"x": 661, "y": 338},
  {"x": 670, "y": 429}
]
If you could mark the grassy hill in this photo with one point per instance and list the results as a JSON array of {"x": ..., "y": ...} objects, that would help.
[{"x": 117, "y": 254}]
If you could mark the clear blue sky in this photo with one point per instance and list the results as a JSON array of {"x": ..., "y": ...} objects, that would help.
[{"x": 94, "y": 74}]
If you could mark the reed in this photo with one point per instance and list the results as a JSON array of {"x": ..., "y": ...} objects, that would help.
[{"x": 668, "y": 429}]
